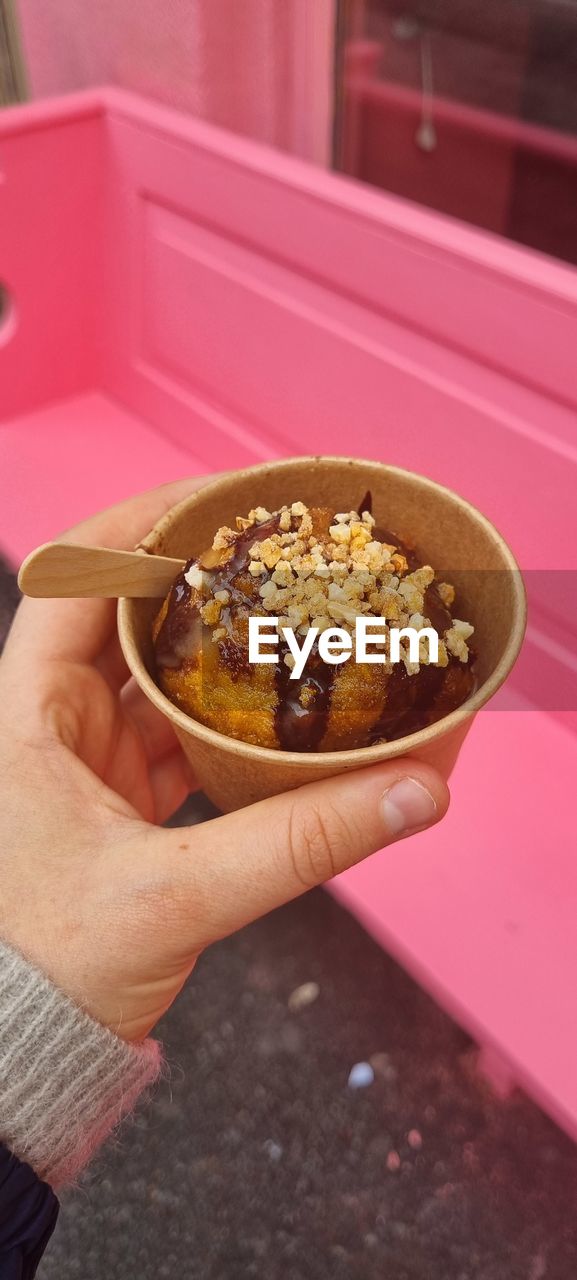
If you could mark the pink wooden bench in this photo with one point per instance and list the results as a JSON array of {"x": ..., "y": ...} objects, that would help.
[{"x": 180, "y": 300}]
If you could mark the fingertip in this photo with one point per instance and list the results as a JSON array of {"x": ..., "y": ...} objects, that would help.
[
  {"x": 431, "y": 780},
  {"x": 397, "y": 799}
]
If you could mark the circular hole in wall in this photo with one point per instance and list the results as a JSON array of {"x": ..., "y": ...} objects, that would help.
[
  {"x": 4, "y": 304},
  {"x": 6, "y": 311}
]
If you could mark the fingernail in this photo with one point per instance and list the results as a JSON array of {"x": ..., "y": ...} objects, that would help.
[{"x": 407, "y": 807}]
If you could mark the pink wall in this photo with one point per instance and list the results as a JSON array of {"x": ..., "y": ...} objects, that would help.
[{"x": 258, "y": 67}]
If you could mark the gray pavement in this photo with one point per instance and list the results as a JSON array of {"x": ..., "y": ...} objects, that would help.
[{"x": 258, "y": 1159}]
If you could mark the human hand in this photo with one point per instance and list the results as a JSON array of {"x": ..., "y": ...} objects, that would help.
[{"x": 111, "y": 906}]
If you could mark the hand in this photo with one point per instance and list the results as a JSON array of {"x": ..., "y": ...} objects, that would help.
[{"x": 111, "y": 906}]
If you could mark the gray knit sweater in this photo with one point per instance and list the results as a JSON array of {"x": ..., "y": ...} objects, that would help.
[{"x": 65, "y": 1080}]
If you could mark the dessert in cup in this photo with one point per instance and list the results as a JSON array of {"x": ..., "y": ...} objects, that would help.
[{"x": 314, "y": 553}]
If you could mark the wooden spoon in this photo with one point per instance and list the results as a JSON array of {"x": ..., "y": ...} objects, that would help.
[{"x": 63, "y": 569}]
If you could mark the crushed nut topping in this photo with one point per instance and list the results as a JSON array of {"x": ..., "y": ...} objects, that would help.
[{"x": 327, "y": 579}]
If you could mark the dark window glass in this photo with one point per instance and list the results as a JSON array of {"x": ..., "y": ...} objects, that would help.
[{"x": 467, "y": 107}]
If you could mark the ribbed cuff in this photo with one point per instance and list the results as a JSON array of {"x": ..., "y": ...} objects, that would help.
[{"x": 65, "y": 1080}]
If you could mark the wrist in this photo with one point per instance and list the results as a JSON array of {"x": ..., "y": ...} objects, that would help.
[{"x": 65, "y": 1080}]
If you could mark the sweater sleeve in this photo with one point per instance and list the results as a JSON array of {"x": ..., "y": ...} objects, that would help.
[{"x": 65, "y": 1080}]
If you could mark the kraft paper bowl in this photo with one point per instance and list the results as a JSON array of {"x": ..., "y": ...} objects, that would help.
[{"x": 447, "y": 531}]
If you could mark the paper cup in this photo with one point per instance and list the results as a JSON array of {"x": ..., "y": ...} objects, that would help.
[{"x": 448, "y": 533}]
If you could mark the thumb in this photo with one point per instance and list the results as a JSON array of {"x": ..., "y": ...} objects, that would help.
[{"x": 247, "y": 863}]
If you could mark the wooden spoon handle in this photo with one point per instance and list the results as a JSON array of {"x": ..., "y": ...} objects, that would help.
[{"x": 63, "y": 569}]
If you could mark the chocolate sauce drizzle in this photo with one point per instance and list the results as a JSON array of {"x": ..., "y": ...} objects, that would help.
[
  {"x": 411, "y": 702},
  {"x": 175, "y": 634},
  {"x": 181, "y": 617},
  {"x": 301, "y": 728}
]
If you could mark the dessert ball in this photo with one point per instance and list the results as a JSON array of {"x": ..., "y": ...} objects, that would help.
[{"x": 300, "y": 568}]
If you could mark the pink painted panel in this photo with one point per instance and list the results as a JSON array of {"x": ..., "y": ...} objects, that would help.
[
  {"x": 405, "y": 259},
  {"x": 355, "y": 367},
  {"x": 51, "y": 262},
  {"x": 236, "y": 344},
  {"x": 307, "y": 365}
]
